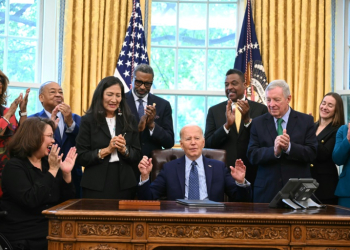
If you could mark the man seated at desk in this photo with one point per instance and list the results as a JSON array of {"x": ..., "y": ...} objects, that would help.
[{"x": 194, "y": 176}]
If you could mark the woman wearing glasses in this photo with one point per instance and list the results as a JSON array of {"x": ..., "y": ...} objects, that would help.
[
  {"x": 108, "y": 144},
  {"x": 34, "y": 179},
  {"x": 8, "y": 122}
]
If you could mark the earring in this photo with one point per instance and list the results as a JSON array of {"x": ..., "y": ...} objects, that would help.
[{"x": 120, "y": 111}]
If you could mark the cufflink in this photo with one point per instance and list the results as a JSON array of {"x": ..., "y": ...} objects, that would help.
[{"x": 209, "y": 166}]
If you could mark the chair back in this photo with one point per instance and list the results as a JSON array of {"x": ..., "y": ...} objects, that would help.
[{"x": 162, "y": 156}]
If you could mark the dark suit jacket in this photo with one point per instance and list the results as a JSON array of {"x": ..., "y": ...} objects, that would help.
[
  {"x": 273, "y": 173},
  {"x": 163, "y": 133},
  {"x": 65, "y": 143},
  {"x": 170, "y": 182},
  {"x": 323, "y": 169},
  {"x": 92, "y": 137},
  {"x": 341, "y": 156},
  {"x": 235, "y": 144}
]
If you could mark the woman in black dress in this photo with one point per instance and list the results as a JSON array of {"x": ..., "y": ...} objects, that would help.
[
  {"x": 323, "y": 169},
  {"x": 108, "y": 144}
]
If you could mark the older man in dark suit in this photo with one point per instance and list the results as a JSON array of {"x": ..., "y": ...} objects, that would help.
[
  {"x": 282, "y": 143},
  {"x": 194, "y": 176},
  {"x": 228, "y": 123},
  {"x": 153, "y": 114}
]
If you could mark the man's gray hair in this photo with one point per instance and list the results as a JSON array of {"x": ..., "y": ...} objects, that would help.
[
  {"x": 279, "y": 83},
  {"x": 191, "y": 125},
  {"x": 144, "y": 68},
  {"x": 42, "y": 86}
]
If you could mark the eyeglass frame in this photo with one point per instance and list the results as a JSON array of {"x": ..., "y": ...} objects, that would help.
[{"x": 139, "y": 84}]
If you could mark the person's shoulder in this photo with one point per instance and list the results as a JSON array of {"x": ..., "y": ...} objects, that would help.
[
  {"x": 39, "y": 114},
  {"x": 256, "y": 104},
  {"x": 16, "y": 161},
  {"x": 262, "y": 117},
  {"x": 302, "y": 115},
  {"x": 219, "y": 105},
  {"x": 87, "y": 117},
  {"x": 157, "y": 99},
  {"x": 75, "y": 115}
]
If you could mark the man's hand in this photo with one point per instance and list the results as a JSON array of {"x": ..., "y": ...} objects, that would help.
[
  {"x": 281, "y": 143},
  {"x": 238, "y": 172},
  {"x": 145, "y": 167},
  {"x": 348, "y": 135},
  {"x": 67, "y": 113},
  {"x": 54, "y": 117},
  {"x": 243, "y": 107},
  {"x": 230, "y": 115},
  {"x": 151, "y": 114}
]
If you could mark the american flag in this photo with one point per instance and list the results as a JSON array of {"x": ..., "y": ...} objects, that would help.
[
  {"x": 134, "y": 50},
  {"x": 248, "y": 58}
]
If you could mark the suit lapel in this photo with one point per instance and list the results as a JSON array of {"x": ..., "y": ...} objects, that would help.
[
  {"x": 105, "y": 129},
  {"x": 57, "y": 134},
  {"x": 292, "y": 120},
  {"x": 208, "y": 169},
  {"x": 326, "y": 131},
  {"x": 180, "y": 169},
  {"x": 131, "y": 102},
  {"x": 270, "y": 124}
]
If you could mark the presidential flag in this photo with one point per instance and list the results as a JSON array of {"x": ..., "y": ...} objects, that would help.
[
  {"x": 248, "y": 58},
  {"x": 134, "y": 50}
]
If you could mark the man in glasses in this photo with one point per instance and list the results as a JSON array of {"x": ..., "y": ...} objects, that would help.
[{"x": 153, "y": 113}]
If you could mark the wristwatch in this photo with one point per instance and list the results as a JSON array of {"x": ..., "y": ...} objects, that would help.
[
  {"x": 126, "y": 153},
  {"x": 22, "y": 113},
  {"x": 99, "y": 154}
]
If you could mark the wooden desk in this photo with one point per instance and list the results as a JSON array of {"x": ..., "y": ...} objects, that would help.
[{"x": 102, "y": 225}]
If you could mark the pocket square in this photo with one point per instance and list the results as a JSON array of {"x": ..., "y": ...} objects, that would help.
[{"x": 156, "y": 117}]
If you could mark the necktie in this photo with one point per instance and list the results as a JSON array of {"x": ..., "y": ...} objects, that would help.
[
  {"x": 279, "y": 126},
  {"x": 193, "y": 187},
  {"x": 238, "y": 117},
  {"x": 140, "y": 110}
]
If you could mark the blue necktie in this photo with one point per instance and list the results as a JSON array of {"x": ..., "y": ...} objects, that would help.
[
  {"x": 193, "y": 186},
  {"x": 140, "y": 110}
]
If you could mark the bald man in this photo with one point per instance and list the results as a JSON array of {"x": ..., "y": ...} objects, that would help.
[
  {"x": 51, "y": 97},
  {"x": 194, "y": 176}
]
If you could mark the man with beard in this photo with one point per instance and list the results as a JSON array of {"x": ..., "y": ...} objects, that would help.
[
  {"x": 228, "y": 123},
  {"x": 153, "y": 114}
]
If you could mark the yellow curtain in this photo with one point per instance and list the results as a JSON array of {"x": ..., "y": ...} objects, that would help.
[
  {"x": 295, "y": 41},
  {"x": 93, "y": 36}
]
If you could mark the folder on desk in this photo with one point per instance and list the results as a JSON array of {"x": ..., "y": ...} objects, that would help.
[{"x": 200, "y": 203}]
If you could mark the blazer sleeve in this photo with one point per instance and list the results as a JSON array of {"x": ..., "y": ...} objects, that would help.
[
  {"x": 154, "y": 190},
  {"x": 307, "y": 151},
  {"x": 75, "y": 131},
  {"x": 235, "y": 192},
  {"x": 256, "y": 153},
  {"x": 214, "y": 137},
  {"x": 87, "y": 156},
  {"x": 164, "y": 135},
  {"x": 341, "y": 150}
]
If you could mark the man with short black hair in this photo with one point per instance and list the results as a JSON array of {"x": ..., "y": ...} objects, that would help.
[
  {"x": 228, "y": 123},
  {"x": 153, "y": 114}
]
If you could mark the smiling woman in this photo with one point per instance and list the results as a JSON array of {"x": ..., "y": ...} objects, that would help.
[
  {"x": 108, "y": 144},
  {"x": 34, "y": 179}
]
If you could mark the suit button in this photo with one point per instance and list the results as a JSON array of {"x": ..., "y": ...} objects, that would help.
[
  {"x": 322, "y": 141},
  {"x": 311, "y": 165}
]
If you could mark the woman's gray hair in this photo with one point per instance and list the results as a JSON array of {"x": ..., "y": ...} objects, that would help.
[{"x": 279, "y": 83}]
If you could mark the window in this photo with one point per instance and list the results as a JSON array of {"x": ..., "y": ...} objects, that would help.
[
  {"x": 22, "y": 41},
  {"x": 193, "y": 44}
]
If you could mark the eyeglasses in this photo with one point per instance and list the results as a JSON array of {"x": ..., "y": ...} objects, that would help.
[
  {"x": 139, "y": 83},
  {"x": 51, "y": 136}
]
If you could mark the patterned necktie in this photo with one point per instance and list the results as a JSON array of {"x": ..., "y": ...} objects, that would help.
[
  {"x": 193, "y": 187},
  {"x": 238, "y": 117},
  {"x": 279, "y": 126},
  {"x": 140, "y": 110}
]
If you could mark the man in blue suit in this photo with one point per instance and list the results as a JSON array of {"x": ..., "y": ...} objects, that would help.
[
  {"x": 51, "y": 97},
  {"x": 194, "y": 176},
  {"x": 153, "y": 114},
  {"x": 282, "y": 143}
]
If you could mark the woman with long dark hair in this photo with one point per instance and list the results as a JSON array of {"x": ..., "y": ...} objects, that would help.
[
  {"x": 108, "y": 144},
  {"x": 323, "y": 169}
]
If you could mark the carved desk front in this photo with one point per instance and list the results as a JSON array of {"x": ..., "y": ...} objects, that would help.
[{"x": 103, "y": 225}]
